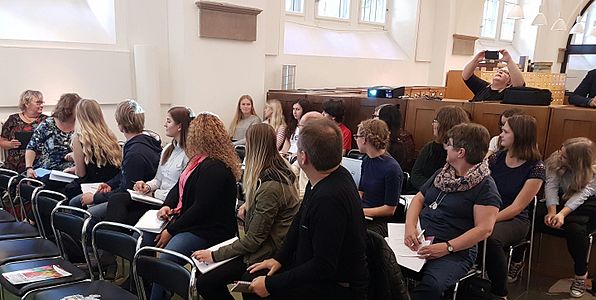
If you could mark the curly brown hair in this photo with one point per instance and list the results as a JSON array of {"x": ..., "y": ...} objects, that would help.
[
  {"x": 207, "y": 135},
  {"x": 375, "y": 132}
]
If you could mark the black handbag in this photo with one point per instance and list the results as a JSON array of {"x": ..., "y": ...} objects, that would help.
[
  {"x": 475, "y": 288},
  {"x": 527, "y": 96}
]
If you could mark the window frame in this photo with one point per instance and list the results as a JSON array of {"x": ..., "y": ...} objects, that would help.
[
  {"x": 295, "y": 13},
  {"x": 381, "y": 24},
  {"x": 499, "y": 23},
  {"x": 354, "y": 21}
]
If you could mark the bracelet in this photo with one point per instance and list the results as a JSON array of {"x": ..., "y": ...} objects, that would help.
[{"x": 27, "y": 168}]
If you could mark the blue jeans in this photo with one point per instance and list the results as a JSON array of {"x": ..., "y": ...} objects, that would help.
[
  {"x": 184, "y": 243},
  {"x": 98, "y": 211}
]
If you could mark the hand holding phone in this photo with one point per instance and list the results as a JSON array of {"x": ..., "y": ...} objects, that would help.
[
  {"x": 241, "y": 287},
  {"x": 488, "y": 54}
]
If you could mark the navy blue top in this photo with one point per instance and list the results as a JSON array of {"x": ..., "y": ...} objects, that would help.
[
  {"x": 510, "y": 181},
  {"x": 585, "y": 91},
  {"x": 380, "y": 180},
  {"x": 454, "y": 213}
]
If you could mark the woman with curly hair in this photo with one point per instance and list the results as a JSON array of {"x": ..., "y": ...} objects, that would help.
[
  {"x": 571, "y": 177},
  {"x": 201, "y": 206},
  {"x": 381, "y": 176},
  {"x": 93, "y": 163},
  {"x": 273, "y": 115}
]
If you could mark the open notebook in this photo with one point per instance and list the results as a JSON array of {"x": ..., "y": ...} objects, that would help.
[
  {"x": 205, "y": 267},
  {"x": 136, "y": 196}
]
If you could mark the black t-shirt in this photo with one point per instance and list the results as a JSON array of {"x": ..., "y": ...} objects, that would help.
[{"x": 482, "y": 90}]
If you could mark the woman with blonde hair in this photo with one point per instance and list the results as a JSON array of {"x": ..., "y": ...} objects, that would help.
[
  {"x": 244, "y": 117},
  {"x": 93, "y": 163},
  {"x": 31, "y": 115},
  {"x": 381, "y": 176},
  {"x": 201, "y": 206},
  {"x": 271, "y": 203},
  {"x": 274, "y": 116},
  {"x": 433, "y": 154},
  {"x": 571, "y": 177}
]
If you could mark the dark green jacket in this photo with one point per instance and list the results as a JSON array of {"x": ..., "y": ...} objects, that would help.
[{"x": 265, "y": 224}]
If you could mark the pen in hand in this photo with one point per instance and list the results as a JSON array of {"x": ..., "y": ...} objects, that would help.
[{"x": 419, "y": 237}]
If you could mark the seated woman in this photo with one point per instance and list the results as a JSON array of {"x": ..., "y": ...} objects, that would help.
[
  {"x": 173, "y": 160},
  {"x": 381, "y": 176},
  {"x": 299, "y": 108},
  {"x": 495, "y": 143},
  {"x": 503, "y": 79},
  {"x": 244, "y": 117},
  {"x": 518, "y": 172},
  {"x": 571, "y": 177},
  {"x": 271, "y": 203},
  {"x": 390, "y": 114},
  {"x": 51, "y": 139},
  {"x": 203, "y": 202},
  {"x": 458, "y": 207},
  {"x": 140, "y": 160},
  {"x": 31, "y": 115},
  {"x": 433, "y": 154},
  {"x": 274, "y": 116},
  {"x": 93, "y": 163}
]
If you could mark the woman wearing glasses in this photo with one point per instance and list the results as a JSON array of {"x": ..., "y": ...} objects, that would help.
[
  {"x": 433, "y": 154},
  {"x": 31, "y": 106},
  {"x": 457, "y": 206}
]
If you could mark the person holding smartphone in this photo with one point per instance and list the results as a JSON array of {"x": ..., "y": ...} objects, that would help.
[{"x": 504, "y": 79}]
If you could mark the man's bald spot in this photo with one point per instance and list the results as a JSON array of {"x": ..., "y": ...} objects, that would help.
[{"x": 311, "y": 116}]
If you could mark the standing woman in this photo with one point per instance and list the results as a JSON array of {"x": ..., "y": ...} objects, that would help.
[
  {"x": 244, "y": 117},
  {"x": 381, "y": 176},
  {"x": 173, "y": 160},
  {"x": 203, "y": 201},
  {"x": 571, "y": 177},
  {"x": 299, "y": 108},
  {"x": 31, "y": 106},
  {"x": 433, "y": 154},
  {"x": 51, "y": 139},
  {"x": 96, "y": 153},
  {"x": 271, "y": 203},
  {"x": 274, "y": 116},
  {"x": 518, "y": 172}
]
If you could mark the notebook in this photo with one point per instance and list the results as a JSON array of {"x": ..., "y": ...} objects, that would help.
[
  {"x": 62, "y": 176},
  {"x": 149, "y": 222},
  {"x": 206, "y": 267},
  {"x": 354, "y": 166},
  {"x": 136, "y": 196}
]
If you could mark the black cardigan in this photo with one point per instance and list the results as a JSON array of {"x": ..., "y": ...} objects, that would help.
[{"x": 208, "y": 203}]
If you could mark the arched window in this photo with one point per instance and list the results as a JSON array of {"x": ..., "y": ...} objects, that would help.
[{"x": 580, "y": 55}]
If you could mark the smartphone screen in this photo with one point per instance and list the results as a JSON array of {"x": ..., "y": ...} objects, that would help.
[{"x": 491, "y": 54}]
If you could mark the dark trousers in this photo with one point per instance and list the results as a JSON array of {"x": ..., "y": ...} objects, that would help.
[
  {"x": 122, "y": 209},
  {"x": 329, "y": 291},
  {"x": 440, "y": 274},
  {"x": 213, "y": 284},
  {"x": 576, "y": 228},
  {"x": 505, "y": 234}
]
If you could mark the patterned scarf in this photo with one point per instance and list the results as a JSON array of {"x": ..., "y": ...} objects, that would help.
[{"x": 448, "y": 182}]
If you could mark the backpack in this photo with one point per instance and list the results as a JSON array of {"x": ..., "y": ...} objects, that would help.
[{"x": 527, "y": 96}]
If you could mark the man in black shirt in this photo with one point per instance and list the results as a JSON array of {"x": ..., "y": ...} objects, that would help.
[
  {"x": 324, "y": 254},
  {"x": 585, "y": 94},
  {"x": 484, "y": 91}
]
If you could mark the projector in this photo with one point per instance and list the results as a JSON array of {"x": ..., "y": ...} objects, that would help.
[{"x": 380, "y": 92}]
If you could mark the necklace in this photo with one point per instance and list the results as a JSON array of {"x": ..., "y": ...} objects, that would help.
[
  {"x": 27, "y": 118},
  {"x": 435, "y": 204}
]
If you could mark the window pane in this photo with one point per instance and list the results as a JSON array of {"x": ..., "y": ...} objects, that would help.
[
  {"x": 373, "y": 11},
  {"x": 508, "y": 25},
  {"x": 334, "y": 9},
  {"x": 295, "y": 6},
  {"x": 488, "y": 29}
]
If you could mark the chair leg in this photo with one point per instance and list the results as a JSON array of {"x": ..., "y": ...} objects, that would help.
[
  {"x": 455, "y": 290},
  {"x": 591, "y": 239}
]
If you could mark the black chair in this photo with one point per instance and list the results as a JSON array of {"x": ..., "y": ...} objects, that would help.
[
  {"x": 8, "y": 179},
  {"x": 528, "y": 241},
  {"x": 354, "y": 153},
  {"x": 386, "y": 280},
  {"x": 27, "y": 189},
  {"x": 171, "y": 276},
  {"x": 37, "y": 247},
  {"x": 65, "y": 220},
  {"x": 115, "y": 238}
]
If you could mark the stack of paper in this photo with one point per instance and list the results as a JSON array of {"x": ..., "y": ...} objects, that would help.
[
  {"x": 405, "y": 256},
  {"x": 89, "y": 187},
  {"x": 150, "y": 222},
  {"x": 136, "y": 196},
  {"x": 62, "y": 176},
  {"x": 205, "y": 267}
]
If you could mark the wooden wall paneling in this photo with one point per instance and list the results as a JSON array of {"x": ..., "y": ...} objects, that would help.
[
  {"x": 456, "y": 87},
  {"x": 488, "y": 114},
  {"x": 420, "y": 114},
  {"x": 568, "y": 122}
]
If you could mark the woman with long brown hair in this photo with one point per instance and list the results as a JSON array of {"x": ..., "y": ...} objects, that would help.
[
  {"x": 571, "y": 177},
  {"x": 201, "y": 206},
  {"x": 271, "y": 203},
  {"x": 244, "y": 117}
]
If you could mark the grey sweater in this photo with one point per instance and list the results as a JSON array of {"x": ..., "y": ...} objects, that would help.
[
  {"x": 239, "y": 135},
  {"x": 554, "y": 184}
]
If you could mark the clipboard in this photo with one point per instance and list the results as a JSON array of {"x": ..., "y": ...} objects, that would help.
[{"x": 24, "y": 137}]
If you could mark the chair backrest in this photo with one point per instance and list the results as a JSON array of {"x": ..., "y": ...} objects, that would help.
[
  {"x": 386, "y": 280},
  {"x": 355, "y": 154},
  {"x": 240, "y": 151},
  {"x": 71, "y": 222},
  {"x": 26, "y": 191},
  {"x": 116, "y": 238},
  {"x": 42, "y": 205},
  {"x": 8, "y": 179},
  {"x": 354, "y": 166},
  {"x": 169, "y": 275}
]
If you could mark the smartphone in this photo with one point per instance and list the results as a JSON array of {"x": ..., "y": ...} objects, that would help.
[
  {"x": 491, "y": 54},
  {"x": 241, "y": 287}
]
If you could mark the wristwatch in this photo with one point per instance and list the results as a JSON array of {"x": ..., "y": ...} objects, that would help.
[{"x": 449, "y": 247}]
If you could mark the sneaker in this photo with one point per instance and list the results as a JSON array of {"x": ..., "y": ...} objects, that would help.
[
  {"x": 578, "y": 288},
  {"x": 515, "y": 270}
]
